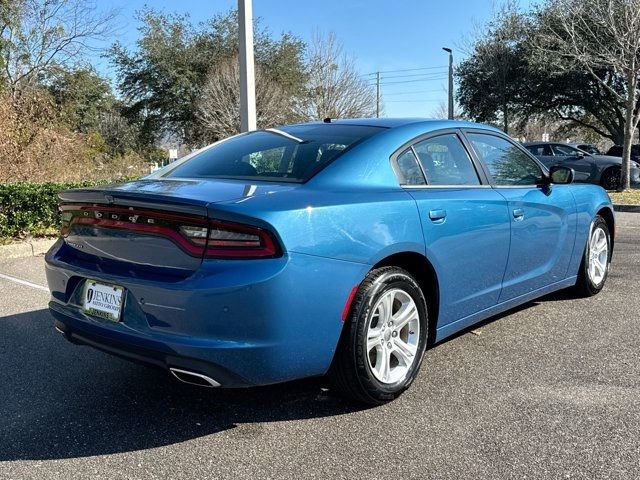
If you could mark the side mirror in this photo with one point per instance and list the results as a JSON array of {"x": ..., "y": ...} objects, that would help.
[{"x": 560, "y": 175}]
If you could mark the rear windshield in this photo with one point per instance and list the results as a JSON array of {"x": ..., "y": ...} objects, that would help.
[{"x": 294, "y": 153}]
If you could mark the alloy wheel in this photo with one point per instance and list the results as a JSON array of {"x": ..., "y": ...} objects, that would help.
[
  {"x": 598, "y": 256},
  {"x": 393, "y": 335},
  {"x": 611, "y": 180}
]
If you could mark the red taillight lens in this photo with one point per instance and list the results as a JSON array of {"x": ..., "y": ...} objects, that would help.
[
  {"x": 228, "y": 239},
  {"x": 197, "y": 236}
]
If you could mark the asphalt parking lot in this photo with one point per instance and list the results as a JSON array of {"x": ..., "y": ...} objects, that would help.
[{"x": 550, "y": 390}]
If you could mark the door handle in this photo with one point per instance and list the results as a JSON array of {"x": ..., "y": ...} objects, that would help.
[
  {"x": 437, "y": 215},
  {"x": 518, "y": 214}
]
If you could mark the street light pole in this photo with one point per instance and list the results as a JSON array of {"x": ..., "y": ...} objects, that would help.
[
  {"x": 449, "y": 51},
  {"x": 247, "y": 68}
]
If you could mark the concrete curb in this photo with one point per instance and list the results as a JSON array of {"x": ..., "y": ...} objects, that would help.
[
  {"x": 627, "y": 208},
  {"x": 34, "y": 248}
]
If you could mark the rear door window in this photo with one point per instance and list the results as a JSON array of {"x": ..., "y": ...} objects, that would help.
[{"x": 445, "y": 161}]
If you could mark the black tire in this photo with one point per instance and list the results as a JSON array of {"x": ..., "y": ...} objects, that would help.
[
  {"x": 351, "y": 372},
  {"x": 585, "y": 285},
  {"x": 610, "y": 179}
]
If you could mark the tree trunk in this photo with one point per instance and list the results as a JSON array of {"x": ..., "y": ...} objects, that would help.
[
  {"x": 505, "y": 118},
  {"x": 625, "y": 174},
  {"x": 625, "y": 180}
]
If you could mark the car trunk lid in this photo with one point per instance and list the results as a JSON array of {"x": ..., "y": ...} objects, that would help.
[
  {"x": 176, "y": 194},
  {"x": 146, "y": 224}
]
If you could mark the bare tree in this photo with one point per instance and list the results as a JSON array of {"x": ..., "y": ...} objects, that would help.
[
  {"x": 219, "y": 106},
  {"x": 335, "y": 87},
  {"x": 36, "y": 35},
  {"x": 442, "y": 111},
  {"x": 599, "y": 34}
]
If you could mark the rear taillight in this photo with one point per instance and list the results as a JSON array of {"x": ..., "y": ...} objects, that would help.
[
  {"x": 228, "y": 239},
  {"x": 197, "y": 236}
]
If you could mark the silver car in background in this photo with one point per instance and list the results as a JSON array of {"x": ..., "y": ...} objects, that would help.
[{"x": 601, "y": 170}]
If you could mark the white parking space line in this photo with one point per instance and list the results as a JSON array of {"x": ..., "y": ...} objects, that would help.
[{"x": 24, "y": 282}]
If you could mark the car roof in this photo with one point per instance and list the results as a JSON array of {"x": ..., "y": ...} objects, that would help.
[
  {"x": 531, "y": 144},
  {"x": 374, "y": 152},
  {"x": 427, "y": 123}
]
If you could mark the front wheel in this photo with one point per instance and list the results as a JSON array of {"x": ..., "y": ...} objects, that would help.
[
  {"x": 382, "y": 344},
  {"x": 610, "y": 179},
  {"x": 596, "y": 259}
]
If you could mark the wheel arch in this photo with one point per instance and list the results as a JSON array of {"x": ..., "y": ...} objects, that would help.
[
  {"x": 423, "y": 271},
  {"x": 607, "y": 214}
]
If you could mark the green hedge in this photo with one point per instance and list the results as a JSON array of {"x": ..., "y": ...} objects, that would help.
[{"x": 31, "y": 208}]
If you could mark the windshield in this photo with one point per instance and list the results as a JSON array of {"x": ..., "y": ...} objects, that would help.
[{"x": 292, "y": 154}]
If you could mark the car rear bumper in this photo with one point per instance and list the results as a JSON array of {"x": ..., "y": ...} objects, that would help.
[
  {"x": 240, "y": 322},
  {"x": 154, "y": 353}
]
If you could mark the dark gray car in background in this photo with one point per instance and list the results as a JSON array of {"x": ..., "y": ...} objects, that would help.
[
  {"x": 602, "y": 170},
  {"x": 616, "y": 151}
]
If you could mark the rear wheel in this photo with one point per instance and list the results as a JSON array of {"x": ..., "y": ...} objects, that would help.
[
  {"x": 382, "y": 344},
  {"x": 595, "y": 261},
  {"x": 610, "y": 179}
]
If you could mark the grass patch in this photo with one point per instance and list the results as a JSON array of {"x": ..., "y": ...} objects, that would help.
[{"x": 630, "y": 197}]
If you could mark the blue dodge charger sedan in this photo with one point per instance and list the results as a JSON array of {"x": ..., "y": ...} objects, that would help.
[{"x": 342, "y": 247}]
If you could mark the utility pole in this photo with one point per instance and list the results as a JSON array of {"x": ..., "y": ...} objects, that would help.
[
  {"x": 247, "y": 67},
  {"x": 448, "y": 50},
  {"x": 377, "y": 94}
]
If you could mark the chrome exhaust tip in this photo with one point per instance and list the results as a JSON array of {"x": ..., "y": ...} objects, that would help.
[
  {"x": 193, "y": 378},
  {"x": 58, "y": 329}
]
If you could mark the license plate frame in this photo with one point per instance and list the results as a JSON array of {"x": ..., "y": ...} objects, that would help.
[{"x": 103, "y": 300}]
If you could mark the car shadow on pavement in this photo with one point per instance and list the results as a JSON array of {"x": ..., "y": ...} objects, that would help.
[
  {"x": 58, "y": 400},
  {"x": 566, "y": 294}
]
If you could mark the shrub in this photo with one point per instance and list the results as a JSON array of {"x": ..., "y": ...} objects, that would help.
[
  {"x": 36, "y": 146},
  {"x": 31, "y": 208}
]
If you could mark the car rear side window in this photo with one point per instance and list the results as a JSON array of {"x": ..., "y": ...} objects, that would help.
[
  {"x": 445, "y": 161},
  {"x": 293, "y": 154},
  {"x": 507, "y": 164},
  {"x": 408, "y": 169}
]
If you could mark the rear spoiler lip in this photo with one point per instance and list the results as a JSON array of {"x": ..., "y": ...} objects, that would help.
[{"x": 130, "y": 199}]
